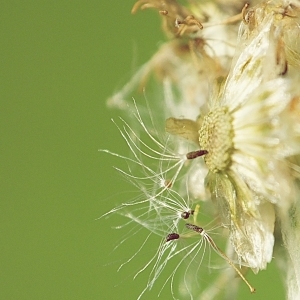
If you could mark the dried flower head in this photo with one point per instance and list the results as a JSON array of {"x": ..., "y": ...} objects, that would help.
[{"x": 229, "y": 103}]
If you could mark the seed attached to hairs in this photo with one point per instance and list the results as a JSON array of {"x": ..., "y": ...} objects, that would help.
[
  {"x": 195, "y": 154},
  {"x": 172, "y": 236}
]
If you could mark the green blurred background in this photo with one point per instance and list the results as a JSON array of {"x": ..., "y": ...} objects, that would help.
[{"x": 60, "y": 61}]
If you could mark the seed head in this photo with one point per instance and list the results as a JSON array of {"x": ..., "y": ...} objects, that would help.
[{"x": 216, "y": 136}]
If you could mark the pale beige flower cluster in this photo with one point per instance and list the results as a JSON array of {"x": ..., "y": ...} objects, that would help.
[{"x": 214, "y": 144}]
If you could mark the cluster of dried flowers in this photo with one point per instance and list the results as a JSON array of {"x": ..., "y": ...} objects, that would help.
[{"x": 215, "y": 137}]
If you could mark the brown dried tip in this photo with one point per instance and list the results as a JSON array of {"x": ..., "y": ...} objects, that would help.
[
  {"x": 281, "y": 62},
  {"x": 179, "y": 21},
  {"x": 172, "y": 236},
  {"x": 195, "y": 154},
  {"x": 190, "y": 21},
  {"x": 244, "y": 12},
  {"x": 163, "y": 12},
  {"x": 141, "y": 4}
]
